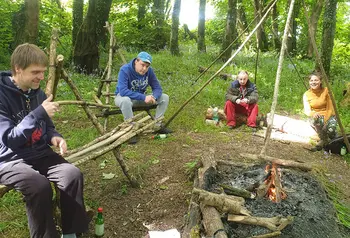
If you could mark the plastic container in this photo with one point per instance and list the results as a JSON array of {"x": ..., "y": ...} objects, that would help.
[
  {"x": 343, "y": 150},
  {"x": 216, "y": 114}
]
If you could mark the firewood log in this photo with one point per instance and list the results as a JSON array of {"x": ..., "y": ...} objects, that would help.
[
  {"x": 273, "y": 223},
  {"x": 286, "y": 163},
  {"x": 224, "y": 203}
]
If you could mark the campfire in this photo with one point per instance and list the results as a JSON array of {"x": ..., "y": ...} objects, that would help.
[
  {"x": 247, "y": 199},
  {"x": 272, "y": 186}
]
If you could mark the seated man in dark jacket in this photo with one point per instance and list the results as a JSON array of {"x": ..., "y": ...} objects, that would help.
[
  {"x": 27, "y": 162},
  {"x": 241, "y": 98}
]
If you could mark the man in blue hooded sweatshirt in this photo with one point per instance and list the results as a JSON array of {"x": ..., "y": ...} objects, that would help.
[
  {"x": 133, "y": 80},
  {"x": 27, "y": 162}
]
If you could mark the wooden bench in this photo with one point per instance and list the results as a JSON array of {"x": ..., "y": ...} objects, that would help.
[{"x": 108, "y": 112}]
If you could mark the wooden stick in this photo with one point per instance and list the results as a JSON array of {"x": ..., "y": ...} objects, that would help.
[
  {"x": 224, "y": 76},
  {"x": 286, "y": 163},
  {"x": 272, "y": 223},
  {"x": 87, "y": 110},
  {"x": 278, "y": 77},
  {"x": 268, "y": 235},
  {"x": 52, "y": 63},
  {"x": 59, "y": 67}
]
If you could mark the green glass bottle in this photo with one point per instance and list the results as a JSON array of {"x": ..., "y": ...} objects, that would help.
[
  {"x": 160, "y": 136},
  {"x": 99, "y": 223}
]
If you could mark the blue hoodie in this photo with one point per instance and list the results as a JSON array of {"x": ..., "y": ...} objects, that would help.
[
  {"x": 133, "y": 85},
  {"x": 25, "y": 127}
]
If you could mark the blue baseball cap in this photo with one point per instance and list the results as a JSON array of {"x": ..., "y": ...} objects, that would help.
[{"x": 145, "y": 57}]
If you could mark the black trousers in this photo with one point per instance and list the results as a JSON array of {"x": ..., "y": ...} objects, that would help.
[{"x": 32, "y": 178}]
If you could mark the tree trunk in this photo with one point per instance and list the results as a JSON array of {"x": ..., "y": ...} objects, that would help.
[
  {"x": 315, "y": 16},
  {"x": 25, "y": 23},
  {"x": 174, "y": 38},
  {"x": 86, "y": 53},
  {"x": 329, "y": 21},
  {"x": 260, "y": 33},
  {"x": 159, "y": 15},
  {"x": 276, "y": 40},
  {"x": 230, "y": 32},
  {"x": 78, "y": 16},
  {"x": 201, "y": 27},
  {"x": 141, "y": 13},
  {"x": 292, "y": 37},
  {"x": 241, "y": 16}
]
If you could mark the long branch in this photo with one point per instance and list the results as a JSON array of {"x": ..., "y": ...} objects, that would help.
[{"x": 278, "y": 77}]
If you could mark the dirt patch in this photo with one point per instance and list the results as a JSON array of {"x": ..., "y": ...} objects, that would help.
[{"x": 162, "y": 201}]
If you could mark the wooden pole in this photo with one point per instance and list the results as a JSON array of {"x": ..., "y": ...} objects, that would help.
[
  {"x": 52, "y": 63},
  {"x": 319, "y": 61},
  {"x": 278, "y": 77},
  {"x": 218, "y": 72}
]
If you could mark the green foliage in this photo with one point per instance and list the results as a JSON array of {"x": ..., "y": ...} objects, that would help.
[{"x": 131, "y": 35}]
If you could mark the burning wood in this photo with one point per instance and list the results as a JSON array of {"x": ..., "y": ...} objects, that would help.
[{"x": 272, "y": 186}]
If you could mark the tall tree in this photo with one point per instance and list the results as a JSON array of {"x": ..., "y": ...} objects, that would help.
[
  {"x": 260, "y": 33},
  {"x": 25, "y": 23},
  {"x": 159, "y": 15},
  {"x": 141, "y": 13},
  {"x": 241, "y": 16},
  {"x": 276, "y": 40},
  {"x": 78, "y": 17},
  {"x": 315, "y": 16},
  {"x": 230, "y": 32},
  {"x": 329, "y": 20},
  {"x": 292, "y": 37},
  {"x": 174, "y": 37},
  {"x": 201, "y": 27},
  {"x": 86, "y": 53}
]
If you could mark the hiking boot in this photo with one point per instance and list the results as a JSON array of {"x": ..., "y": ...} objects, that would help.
[
  {"x": 318, "y": 147},
  {"x": 164, "y": 130},
  {"x": 133, "y": 140}
]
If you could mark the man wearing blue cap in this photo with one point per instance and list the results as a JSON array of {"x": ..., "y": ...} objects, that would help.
[{"x": 133, "y": 80}]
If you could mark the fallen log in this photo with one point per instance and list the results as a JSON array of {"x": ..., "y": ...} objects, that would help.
[
  {"x": 222, "y": 202},
  {"x": 286, "y": 163},
  {"x": 273, "y": 223}
]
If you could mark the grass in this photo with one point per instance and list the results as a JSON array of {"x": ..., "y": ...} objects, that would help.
[{"x": 177, "y": 76}]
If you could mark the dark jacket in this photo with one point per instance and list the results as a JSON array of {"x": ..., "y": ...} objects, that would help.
[
  {"x": 133, "y": 85},
  {"x": 25, "y": 127},
  {"x": 234, "y": 92}
]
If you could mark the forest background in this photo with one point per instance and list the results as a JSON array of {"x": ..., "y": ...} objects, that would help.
[{"x": 154, "y": 26}]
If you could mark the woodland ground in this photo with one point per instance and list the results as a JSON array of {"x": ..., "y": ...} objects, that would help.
[
  {"x": 162, "y": 166},
  {"x": 163, "y": 205}
]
